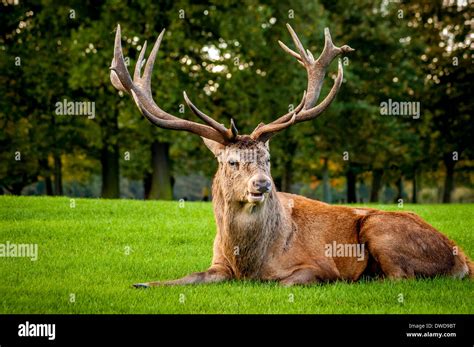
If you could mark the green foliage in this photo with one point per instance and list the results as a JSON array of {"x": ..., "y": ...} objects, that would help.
[{"x": 226, "y": 57}]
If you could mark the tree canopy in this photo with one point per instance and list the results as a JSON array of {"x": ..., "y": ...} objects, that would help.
[{"x": 225, "y": 55}]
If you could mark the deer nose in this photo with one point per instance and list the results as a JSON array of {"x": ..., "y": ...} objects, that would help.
[{"x": 262, "y": 184}]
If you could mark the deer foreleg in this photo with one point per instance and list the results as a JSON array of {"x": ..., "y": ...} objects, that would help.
[{"x": 213, "y": 275}]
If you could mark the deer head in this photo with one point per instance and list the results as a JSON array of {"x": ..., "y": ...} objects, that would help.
[{"x": 244, "y": 160}]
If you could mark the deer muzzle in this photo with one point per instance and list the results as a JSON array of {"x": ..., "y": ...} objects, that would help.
[{"x": 257, "y": 187}]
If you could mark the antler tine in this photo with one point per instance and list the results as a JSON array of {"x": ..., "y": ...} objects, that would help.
[
  {"x": 213, "y": 123},
  {"x": 138, "y": 66},
  {"x": 291, "y": 52},
  {"x": 330, "y": 51},
  {"x": 304, "y": 57},
  {"x": 150, "y": 63},
  {"x": 119, "y": 75},
  {"x": 233, "y": 132},
  {"x": 265, "y": 132}
]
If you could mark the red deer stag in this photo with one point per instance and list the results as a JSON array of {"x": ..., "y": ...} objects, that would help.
[{"x": 263, "y": 234}]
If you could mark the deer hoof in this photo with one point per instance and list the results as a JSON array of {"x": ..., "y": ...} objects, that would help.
[{"x": 141, "y": 285}]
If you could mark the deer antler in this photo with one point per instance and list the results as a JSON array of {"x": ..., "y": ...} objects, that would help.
[
  {"x": 140, "y": 89},
  {"x": 316, "y": 70}
]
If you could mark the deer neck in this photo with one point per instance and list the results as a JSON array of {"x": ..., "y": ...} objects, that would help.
[{"x": 247, "y": 231}]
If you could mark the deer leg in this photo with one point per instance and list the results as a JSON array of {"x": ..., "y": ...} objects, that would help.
[
  {"x": 301, "y": 276},
  {"x": 213, "y": 275},
  {"x": 309, "y": 275},
  {"x": 405, "y": 246}
]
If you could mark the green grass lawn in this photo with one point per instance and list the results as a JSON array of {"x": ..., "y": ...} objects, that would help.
[{"x": 95, "y": 251}]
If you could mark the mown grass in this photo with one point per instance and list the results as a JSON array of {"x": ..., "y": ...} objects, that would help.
[{"x": 83, "y": 252}]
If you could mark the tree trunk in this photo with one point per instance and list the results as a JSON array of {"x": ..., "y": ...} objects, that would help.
[
  {"x": 400, "y": 189},
  {"x": 109, "y": 157},
  {"x": 48, "y": 185},
  {"x": 376, "y": 184},
  {"x": 146, "y": 185},
  {"x": 58, "y": 178},
  {"x": 161, "y": 178},
  {"x": 110, "y": 172},
  {"x": 278, "y": 182},
  {"x": 45, "y": 172},
  {"x": 17, "y": 188},
  {"x": 351, "y": 178},
  {"x": 414, "y": 193},
  {"x": 326, "y": 185},
  {"x": 287, "y": 177},
  {"x": 449, "y": 180}
]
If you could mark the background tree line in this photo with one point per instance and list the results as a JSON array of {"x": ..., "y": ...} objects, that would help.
[{"x": 225, "y": 55}]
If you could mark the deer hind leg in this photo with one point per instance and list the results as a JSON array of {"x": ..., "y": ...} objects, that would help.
[
  {"x": 213, "y": 275},
  {"x": 405, "y": 246}
]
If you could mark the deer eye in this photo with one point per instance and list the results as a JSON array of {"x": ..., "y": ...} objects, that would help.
[{"x": 233, "y": 163}]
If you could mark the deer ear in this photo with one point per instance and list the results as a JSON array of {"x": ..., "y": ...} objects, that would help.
[
  {"x": 214, "y": 147},
  {"x": 267, "y": 144}
]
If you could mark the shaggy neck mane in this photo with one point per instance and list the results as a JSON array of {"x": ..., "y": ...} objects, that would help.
[{"x": 247, "y": 231}]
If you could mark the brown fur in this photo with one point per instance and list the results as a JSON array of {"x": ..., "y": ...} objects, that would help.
[{"x": 284, "y": 237}]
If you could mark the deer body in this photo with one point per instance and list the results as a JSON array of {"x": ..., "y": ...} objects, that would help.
[
  {"x": 271, "y": 236},
  {"x": 298, "y": 243}
]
